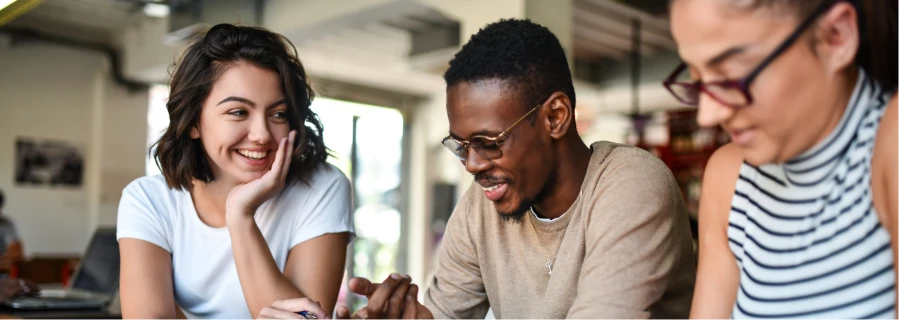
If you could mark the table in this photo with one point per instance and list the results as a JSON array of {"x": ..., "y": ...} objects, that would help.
[{"x": 10, "y": 314}]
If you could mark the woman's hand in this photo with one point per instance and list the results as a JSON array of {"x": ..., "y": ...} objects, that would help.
[
  {"x": 289, "y": 309},
  {"x": 244, "y": 199}
]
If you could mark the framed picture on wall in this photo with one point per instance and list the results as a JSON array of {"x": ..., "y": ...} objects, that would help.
[{"x": 41, "y": 162}]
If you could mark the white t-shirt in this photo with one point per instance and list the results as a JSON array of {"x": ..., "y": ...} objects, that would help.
[{"x": 206, "y": 283}]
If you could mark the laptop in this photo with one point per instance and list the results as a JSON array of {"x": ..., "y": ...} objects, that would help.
[{"x": 94, "y": 285}]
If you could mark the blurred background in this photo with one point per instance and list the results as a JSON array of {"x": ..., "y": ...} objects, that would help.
[{"x": 89, "y": 77}]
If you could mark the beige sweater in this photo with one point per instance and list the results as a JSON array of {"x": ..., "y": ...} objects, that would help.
[{"x": 623, "y": 250}]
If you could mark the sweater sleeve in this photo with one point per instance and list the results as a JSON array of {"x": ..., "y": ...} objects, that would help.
[
  {"x": 457, "y": 290},
  {"x": 637, "y": 239}
]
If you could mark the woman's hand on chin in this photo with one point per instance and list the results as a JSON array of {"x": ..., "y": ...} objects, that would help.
[{"x": 244, "y": 199}]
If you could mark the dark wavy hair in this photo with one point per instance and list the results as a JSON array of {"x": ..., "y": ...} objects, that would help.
[{"x": 182, "y": 159}]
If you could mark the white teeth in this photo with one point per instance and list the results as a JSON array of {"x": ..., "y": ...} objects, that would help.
[
  {"x": 490, "y": 188},
  {"x": 253, "y": 154}
]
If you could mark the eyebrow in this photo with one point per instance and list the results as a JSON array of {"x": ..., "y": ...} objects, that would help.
[
  {"x": 250, "y": 103},
  {"x": 727, "y": 54}
]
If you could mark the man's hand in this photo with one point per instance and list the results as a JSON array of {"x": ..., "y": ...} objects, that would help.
[
  {"x": 394, "y": 298},
  {"x": 13, "y": 287}
]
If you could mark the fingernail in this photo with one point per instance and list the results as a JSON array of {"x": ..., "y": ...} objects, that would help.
[
  {"x": 407, "y": 276},
  {"x": 395, "y": 276}
]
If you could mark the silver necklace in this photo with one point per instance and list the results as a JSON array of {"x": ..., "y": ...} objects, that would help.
[{"x": 549, "y": 265}]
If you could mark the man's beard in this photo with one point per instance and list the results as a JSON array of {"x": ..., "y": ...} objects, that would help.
[{"x": 517, "y": 214}]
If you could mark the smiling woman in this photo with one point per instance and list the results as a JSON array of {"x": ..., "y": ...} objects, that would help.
[{"x": 244, "y": 196}]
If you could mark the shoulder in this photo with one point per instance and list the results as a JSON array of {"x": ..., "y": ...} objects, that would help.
[
  {"x": 887, "y": 140},
  {"x": 613, "y": 163},
  {"x": 721, "y": 171},
  {"x": 149, "y": 194},
  {"x": 6, "y": 223},
  {"x": 719, "y": 183},
  {"x": 148, "y": 211},
  {"x": 151, "y": 186},
  {"x": 327, "y": 173},
  {"x": 884, "y": 168},
  {"x": 728, "y": 158},
  {"x": 324, "y": 176},
  {"x": 325, "y": 183},
  {"x": 628, "y": 154}
]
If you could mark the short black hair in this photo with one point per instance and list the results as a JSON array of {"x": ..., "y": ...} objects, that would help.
[
  {"x": 2, "y": 199},
  {"x": 524, "y": 54}
]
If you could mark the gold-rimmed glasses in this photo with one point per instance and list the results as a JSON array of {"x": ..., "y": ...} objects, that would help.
[{"x": 487, "y": 147}]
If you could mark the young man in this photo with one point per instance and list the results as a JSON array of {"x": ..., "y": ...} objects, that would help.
[{"x": 551, "y": 228}]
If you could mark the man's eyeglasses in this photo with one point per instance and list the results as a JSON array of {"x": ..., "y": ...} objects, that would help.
[
  {"x": 734, "y": 93},
  {"x": 487, "y": 147}
]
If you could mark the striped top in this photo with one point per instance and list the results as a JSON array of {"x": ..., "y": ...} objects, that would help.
[{"x": 805, "y": 234}]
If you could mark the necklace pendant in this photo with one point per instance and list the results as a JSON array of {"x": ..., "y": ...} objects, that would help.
[{"x": 549, "y": 265}]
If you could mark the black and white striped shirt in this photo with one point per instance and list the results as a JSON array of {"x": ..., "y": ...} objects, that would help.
[{"x": 805, "y": 234}]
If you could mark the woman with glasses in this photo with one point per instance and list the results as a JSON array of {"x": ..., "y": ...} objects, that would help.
[{"x": 798, "y": 214}]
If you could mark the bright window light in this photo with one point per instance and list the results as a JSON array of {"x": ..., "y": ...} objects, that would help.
[
  {"x": 155, "y": 10},
  {"x": 5, "y": 3}
]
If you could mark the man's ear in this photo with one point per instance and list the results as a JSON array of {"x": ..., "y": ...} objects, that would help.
[
  {"x": 837, "y": 36},
  {"x": 559, "y": 115}
]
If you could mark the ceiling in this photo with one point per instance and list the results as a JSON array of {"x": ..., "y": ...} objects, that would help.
[
  {"x": 398, "y": 36},
  {"x": 85, "y": 20},
  {"x": 603, "y": 29}
]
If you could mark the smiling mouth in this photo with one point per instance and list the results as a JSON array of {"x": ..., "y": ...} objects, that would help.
[
  {"x": 495, "y": 192},
  {"x": 742, "y": 137},
  {"x": 255, "y": 155}
]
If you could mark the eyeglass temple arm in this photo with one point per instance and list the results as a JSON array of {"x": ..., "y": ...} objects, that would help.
[
  {"x": 503, "y": 134},
  {"x": 680, "y": 68},
  {"x": 789, "y": 40}
]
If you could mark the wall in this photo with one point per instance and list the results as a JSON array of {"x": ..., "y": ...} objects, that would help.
[{"x": 49, "y": 91}]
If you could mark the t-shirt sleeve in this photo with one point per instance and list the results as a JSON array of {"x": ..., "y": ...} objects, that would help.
[
  {"x": 329, "y": 208},
  {"x": 457, "y": 290},
  {"x": 141, "y": 215}
]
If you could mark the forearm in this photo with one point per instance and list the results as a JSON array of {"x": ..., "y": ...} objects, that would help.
[
  {"x": 138, "y": 313},
  {"x": 260, "y": 279},
  {"x": 145, "y": 283}
]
